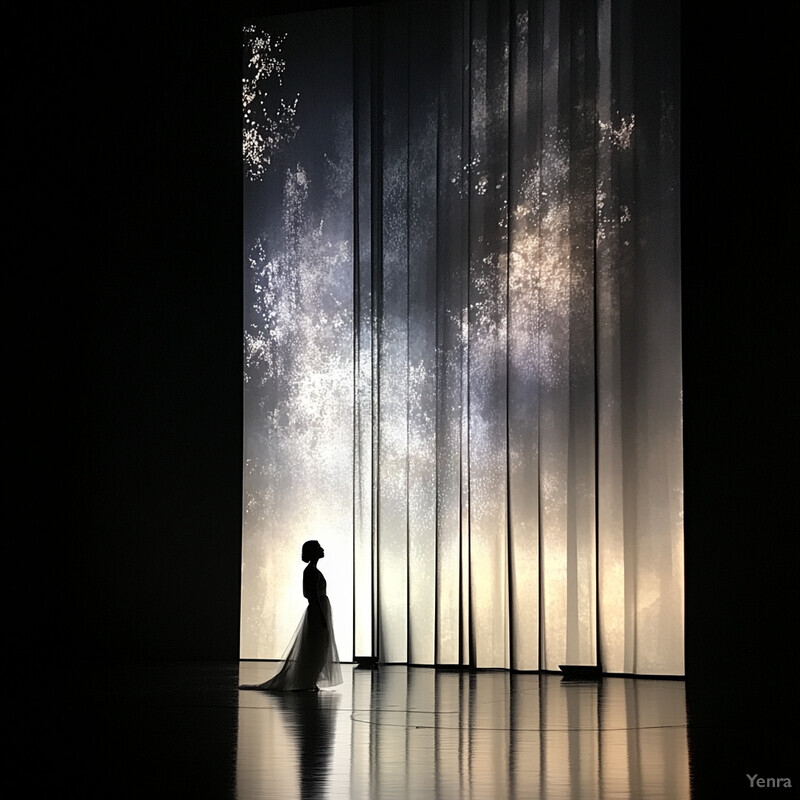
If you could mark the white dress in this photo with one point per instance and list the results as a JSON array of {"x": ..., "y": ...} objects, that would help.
[{"x": 311, "y": 660}]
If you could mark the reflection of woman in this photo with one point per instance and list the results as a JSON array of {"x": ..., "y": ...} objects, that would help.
[{"x": 311, "y": 660}]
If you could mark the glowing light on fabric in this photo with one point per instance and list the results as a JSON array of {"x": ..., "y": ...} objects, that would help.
[{"x": 462, "y": 332}]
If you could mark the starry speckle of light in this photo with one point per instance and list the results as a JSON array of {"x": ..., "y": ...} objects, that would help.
[{"x": 268, "y": 122}]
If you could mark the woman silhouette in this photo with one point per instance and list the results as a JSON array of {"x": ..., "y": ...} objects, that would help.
[{"x": 311, "y": 660}]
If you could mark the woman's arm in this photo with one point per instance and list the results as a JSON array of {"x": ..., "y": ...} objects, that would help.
[{"x": 311, "y": 577}]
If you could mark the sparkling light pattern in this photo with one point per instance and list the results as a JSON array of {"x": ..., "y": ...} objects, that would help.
[
  {"x": 266, "y": 126},
  {"x": 298, "y": 369},
  {"x": 462, "y": 344}
]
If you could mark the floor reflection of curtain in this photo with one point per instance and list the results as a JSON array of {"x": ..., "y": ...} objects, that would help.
[
  {"x": 460, "y": 735},
  {"x": 463, "y": 333}
]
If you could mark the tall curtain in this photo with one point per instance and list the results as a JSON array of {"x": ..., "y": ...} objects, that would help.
[{"x": 462, "y": 331}]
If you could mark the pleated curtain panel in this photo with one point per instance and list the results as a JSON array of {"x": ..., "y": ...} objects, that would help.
[{"x": 462, "y": 332}]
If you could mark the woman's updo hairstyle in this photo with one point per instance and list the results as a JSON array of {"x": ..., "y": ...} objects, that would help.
[{"x": 310, "y": 549}]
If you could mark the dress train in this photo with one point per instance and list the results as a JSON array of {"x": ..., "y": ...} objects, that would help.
[{"x": 311, "y": 659}]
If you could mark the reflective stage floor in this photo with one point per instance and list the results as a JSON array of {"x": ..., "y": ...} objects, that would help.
[
  {"x": 401, "y": 732},
  {"x": 186, "y": 731}
]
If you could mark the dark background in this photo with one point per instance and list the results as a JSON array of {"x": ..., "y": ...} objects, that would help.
[{"x": 126, "y": 208}]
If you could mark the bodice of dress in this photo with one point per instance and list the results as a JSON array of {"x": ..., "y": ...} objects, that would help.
[{"x": 314, "y": 583}]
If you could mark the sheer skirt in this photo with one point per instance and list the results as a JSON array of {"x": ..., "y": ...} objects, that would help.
[{"x": 311, "y": 659}]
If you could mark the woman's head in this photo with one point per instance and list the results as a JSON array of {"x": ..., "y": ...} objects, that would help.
[{"x": 312, "y": 550}]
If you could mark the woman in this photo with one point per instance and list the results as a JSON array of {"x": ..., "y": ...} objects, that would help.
[{"x": 311, "y": 659}]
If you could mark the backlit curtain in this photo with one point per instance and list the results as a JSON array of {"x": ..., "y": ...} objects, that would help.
[{"x": 462, "y": 331}]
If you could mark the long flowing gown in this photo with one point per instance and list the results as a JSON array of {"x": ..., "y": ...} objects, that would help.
[{"x": 311, "y": 659}]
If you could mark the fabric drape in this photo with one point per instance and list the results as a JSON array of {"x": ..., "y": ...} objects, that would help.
[{"x": 462, "y": 331}]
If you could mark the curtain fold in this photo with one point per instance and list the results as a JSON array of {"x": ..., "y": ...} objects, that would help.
[{"x": 462, "y": 336}]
